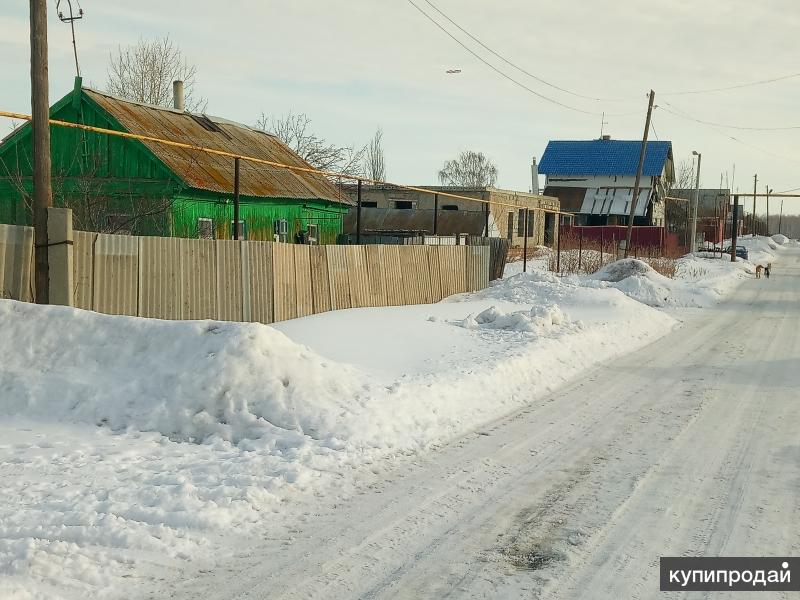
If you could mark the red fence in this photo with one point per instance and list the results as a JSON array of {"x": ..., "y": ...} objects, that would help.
[{"x": 643, "y": 238}]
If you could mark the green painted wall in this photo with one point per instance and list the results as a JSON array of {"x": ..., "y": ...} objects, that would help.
[
  {"x": 106, "y": 180},
  {"x": 258, "y": 215}
]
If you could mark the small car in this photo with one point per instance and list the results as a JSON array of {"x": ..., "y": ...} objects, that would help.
[{"x": 741, "y": 252}]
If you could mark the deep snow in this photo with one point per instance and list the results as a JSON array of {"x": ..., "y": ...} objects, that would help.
[{"x": 130, "y": 445}]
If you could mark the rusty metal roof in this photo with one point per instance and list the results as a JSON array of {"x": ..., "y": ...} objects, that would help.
[{"x": 212, "y": 172}]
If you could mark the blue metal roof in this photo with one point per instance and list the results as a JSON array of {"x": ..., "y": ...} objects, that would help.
[{"x": 603, "y": 157}]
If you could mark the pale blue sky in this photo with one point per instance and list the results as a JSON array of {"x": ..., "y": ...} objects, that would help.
[{"x": 357, "y": 64}]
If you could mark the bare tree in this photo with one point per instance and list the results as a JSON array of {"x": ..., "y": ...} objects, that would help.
[
  {"x": 145, "y": 72},
  {"x": 684, "y": 176},
  {"x": 375, "y": 161},
  {"x": 470, "y": 169},
  {"x": 295, "y": 131}
]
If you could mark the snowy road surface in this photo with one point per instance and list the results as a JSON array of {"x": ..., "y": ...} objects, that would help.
[{"x": 689, "y": 446}]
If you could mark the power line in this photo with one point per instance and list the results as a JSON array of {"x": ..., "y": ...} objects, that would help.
[
  {"x": 740, "y": 127},
  {"x": 501, "y": 73},
  {"x": 731, "y": 87},
  {"x": 517, "y": 67},
  {"x": 717, "y": 130}
]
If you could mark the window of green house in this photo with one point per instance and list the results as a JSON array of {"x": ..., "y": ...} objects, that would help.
[
  {"x": 241, "y": 230},
  {"x": 205, "y": 229}
]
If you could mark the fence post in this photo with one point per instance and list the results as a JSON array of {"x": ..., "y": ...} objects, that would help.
[
  {"x": 59, "y": 244},
  {"x": 486, "y": 218},
  {"x": 580, "y": 248},
  {"x": 525, "y": 243}
]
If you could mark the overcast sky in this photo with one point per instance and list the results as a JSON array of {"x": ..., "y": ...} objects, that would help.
[{"x": 358, "y": 64}]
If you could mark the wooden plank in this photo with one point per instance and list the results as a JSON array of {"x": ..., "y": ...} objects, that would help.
[
  {"x": 229, "y": 280},
  {"x": 261, "y": 281},
  {"x": 358, "y": 276},
  {"x": 160, "y": 277},
  {"x": 412, "y": 289},
  {"x": 376, "y": 276},
  {"x": 198, "y": 279},
  {"x": 392, "y": 275},
  {"x": 337, "y": 271},
  {"x": 434, "y": 272},
  {"x": 320, "y": 280},
  {"x": 115, "y": 275},
  {"x": 302, "y": 270},
  {"x": 16, "y": 262},
  {"x": 83, "y": 268},
  {"x": 284, "y": 281}
]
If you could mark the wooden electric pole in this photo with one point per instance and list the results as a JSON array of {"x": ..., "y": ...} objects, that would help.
[
  {"x": 638, "y": 181},
  {"x": 40, "y": 124}
]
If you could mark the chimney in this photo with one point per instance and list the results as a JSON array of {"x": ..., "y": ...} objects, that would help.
[
  {"x": 534, "y": 177},
  {"x": 177, "y": 95}
]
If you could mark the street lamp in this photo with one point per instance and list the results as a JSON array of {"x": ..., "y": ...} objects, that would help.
[{"x": 693, "y": 246}]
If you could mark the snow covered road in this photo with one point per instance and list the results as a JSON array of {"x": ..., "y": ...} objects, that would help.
[{"x": 688, "y": 446}]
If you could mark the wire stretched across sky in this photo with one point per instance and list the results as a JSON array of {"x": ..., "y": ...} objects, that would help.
[
  {"x": 683, "y": 114},
  {"x": 517, "y": 67},
  {"x": 732, "y": 87},
  {"x": 507, "y": 76}
]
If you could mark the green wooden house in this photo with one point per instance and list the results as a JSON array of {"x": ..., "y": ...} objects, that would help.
[{"x": 122, "y": 185}]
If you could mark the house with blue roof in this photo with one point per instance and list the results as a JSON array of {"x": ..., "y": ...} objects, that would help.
[{"x": 594, "y": 179}]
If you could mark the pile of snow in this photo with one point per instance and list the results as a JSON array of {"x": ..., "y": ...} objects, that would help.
[
  {"x": 536, "y": 320},
  {"x": 780, "y": 239},
  {"x": 698, "y": 282},
  {"x": 129, "y": 446},
  {"x": 622, "y": 269}
]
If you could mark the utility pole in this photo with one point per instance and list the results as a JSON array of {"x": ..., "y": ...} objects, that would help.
[
  {"x": 638, "y": 181},
  {"x": 755, "y": 191},
  {"x": 769, "y": 191},
  {"x": 780, "y": 219},
  {"x": 40, "y": 125},
  {"x": 693, "y": 246}
]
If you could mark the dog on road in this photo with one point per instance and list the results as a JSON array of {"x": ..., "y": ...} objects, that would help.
[{"x": 759, "y": 268}]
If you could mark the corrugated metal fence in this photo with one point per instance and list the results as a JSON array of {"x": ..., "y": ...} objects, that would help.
[{"x": 178, "y": 278}]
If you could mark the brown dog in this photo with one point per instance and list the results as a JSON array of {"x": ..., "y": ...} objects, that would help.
[{"x": 759, "y": 268}]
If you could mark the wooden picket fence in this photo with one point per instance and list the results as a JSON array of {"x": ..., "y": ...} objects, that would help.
[{"x": 178, "y": 278}]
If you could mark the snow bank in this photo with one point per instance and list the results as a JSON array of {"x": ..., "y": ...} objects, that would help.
[
  {"x": 698, "y": 282},
  {"x": 780, "y": 239},
  {"x": 187, "y": 380},
  {"x": 129, "y": 446}
]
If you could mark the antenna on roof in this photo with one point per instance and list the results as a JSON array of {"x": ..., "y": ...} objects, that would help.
[
  {"x": 71, "y": 20},
  {"x": 603, "y": 123}
]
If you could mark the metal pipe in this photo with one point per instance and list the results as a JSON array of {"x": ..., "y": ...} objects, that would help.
[
  {"x": 525, "y": 243},
  {"x": 734, "y": 228},
  {"x": 558, "y": 246},
  {"x": 436, "y": 214},
  {"x": 236, "y": 218},
  {"x": 358, "y": 214}
]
